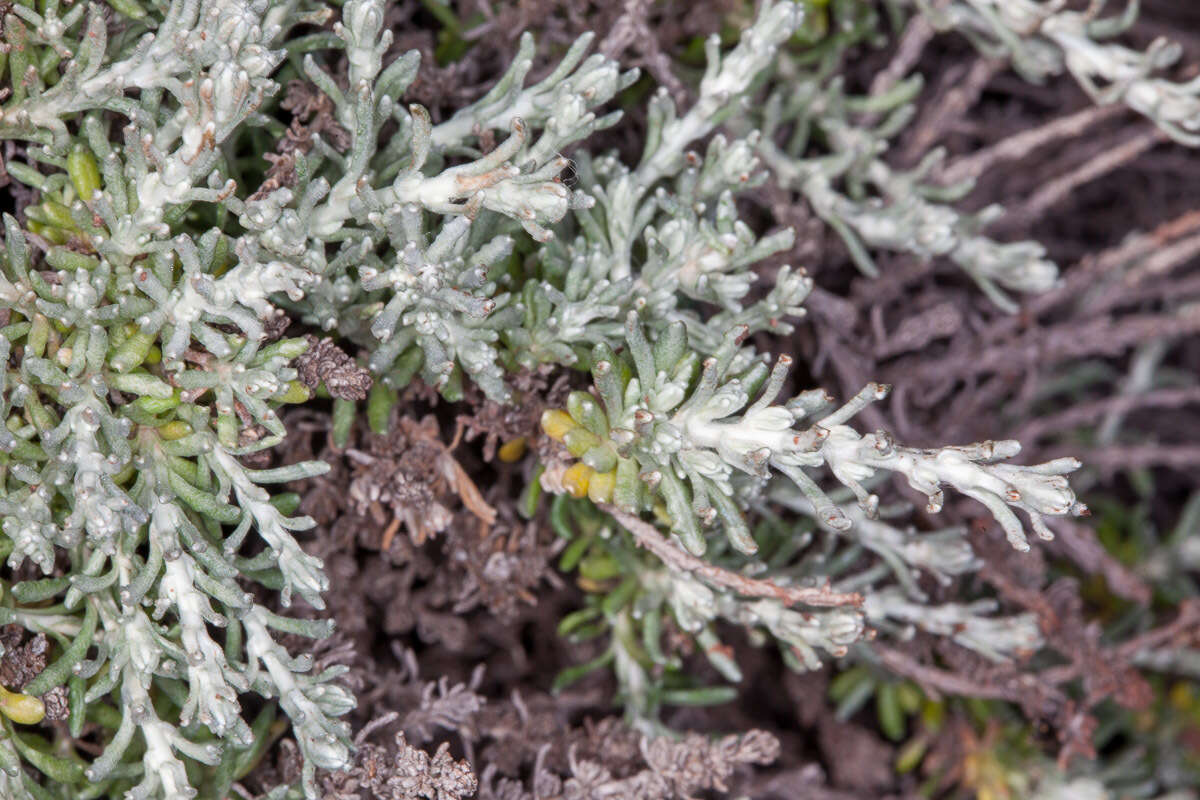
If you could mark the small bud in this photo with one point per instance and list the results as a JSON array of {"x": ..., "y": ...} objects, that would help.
[
  {"x": 576, "y": 479},
  {"x": 557, "y": 424},
  {"x": 22, "y": 709},
  {"x": 512, "y": 450}
]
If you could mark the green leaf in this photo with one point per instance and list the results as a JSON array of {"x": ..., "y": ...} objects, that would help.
[
  {"x": 671, "y": 345},
  {"x": 532, "y": 495},
  {"x": 887, "y": 708},
  {"x": 843, "y": 684},
  {"x": 57, "y": 673},
  {"x": 68, "y": 772},
  {"x": 855, "y": 699},
  {"x": 76, "y": 690},
  {"x": 82, "y": 169},
  {"x": 132, "y": 352},
  {"x": 701, "y": 696},
  {"x": 27, "y": 592},
  {"x": 237, "y": 763},
  {"x": 572, "y": 674},
  {"x": 598, "y": 566},
  {"x": 910, "y": 755},
  {"x": 380, "y": 402},
  {"x": 143, "y": 384},
  {"x": 573, "y": 553},
  {"x": 577, "y": 618},
  {"x": 343, "y": 421},
  {"x": 619, "y": 597},
  {"x": 560, "y": 517},
  {"x": 202, "y": 501},
  {"x": 286, "y": 503},
  {"x": 584, "y": 409}
]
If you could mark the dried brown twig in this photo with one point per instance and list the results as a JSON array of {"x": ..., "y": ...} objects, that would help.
[
  {"x": 678, "y": 558},
  {"x": 1012, "y": 686},
  {"x": 1022, "y": 144},
  {"x": 956, "y": 96},
  {"x": 1053, "y": 192}
]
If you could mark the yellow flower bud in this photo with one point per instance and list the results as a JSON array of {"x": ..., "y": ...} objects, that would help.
[
  {"x": 23, "y": 709},
  {"x": 512, "y": 451},
  {"x": 1182, "y": 696},
  {"x": 576, "y": 479},
  {"x": 557, "y": 423}
]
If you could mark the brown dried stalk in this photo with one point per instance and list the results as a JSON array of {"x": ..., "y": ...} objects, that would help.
[
  {"x": 1020, "y": 145},
  {"x": 1186, "y": 625},
  {"x": 936, "y": 681},
  {"x": 1079, "y": 543},
  {"x": 1012, "y": 688},
  {"x": 917, "y": 34},
  {"x": 633, "y": 29},
  {"x": 1084, "y": 413},
  {"x": 959, "y": 93},
  {"x": 1058, "y": 189},
  {"x": 677, "y": 558}
]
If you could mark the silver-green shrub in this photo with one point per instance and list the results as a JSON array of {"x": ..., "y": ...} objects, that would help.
[{"x": 143, "y": 363}]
